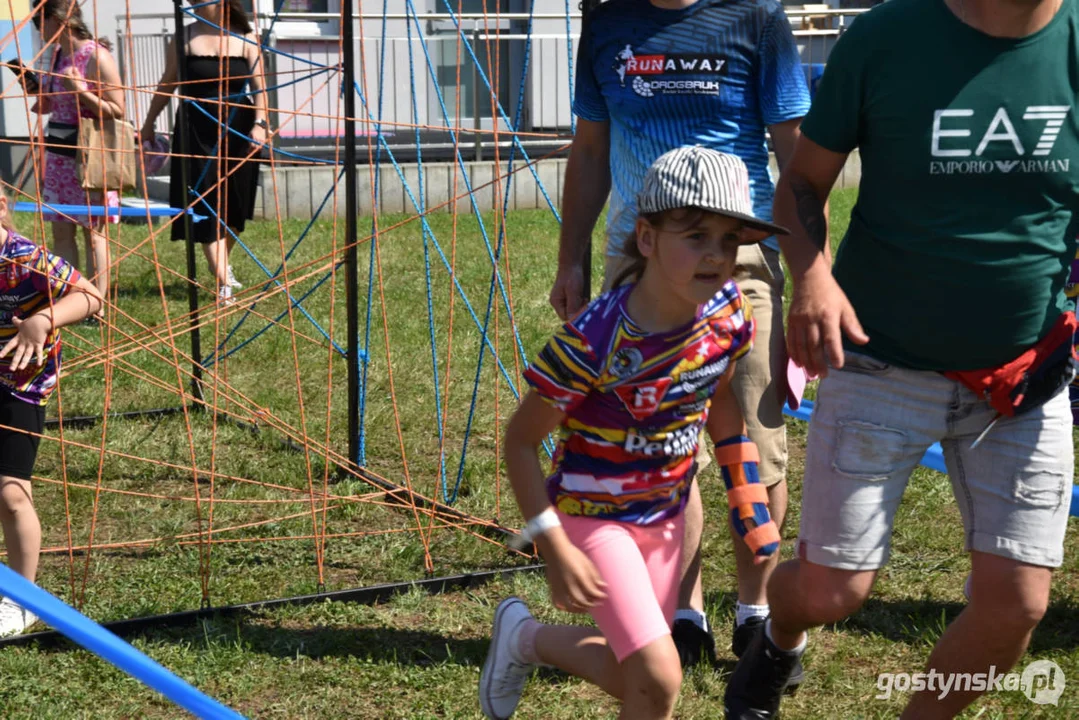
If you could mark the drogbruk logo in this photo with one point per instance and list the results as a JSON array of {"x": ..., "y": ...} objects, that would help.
[
  {"x": 951, "y": 144},
  {"x": 651, "y": 74}
]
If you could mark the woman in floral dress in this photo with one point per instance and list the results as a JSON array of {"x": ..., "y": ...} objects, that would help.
[{"x": 83, "y": 81}]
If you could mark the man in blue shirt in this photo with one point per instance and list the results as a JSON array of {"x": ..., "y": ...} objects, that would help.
[{"x": 658, "y": 74}]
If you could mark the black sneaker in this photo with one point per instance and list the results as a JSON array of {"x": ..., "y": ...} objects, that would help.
[
  {"x": 693, "y": 643},
  {"x": 762, "y": 674},
  {"x": 744, "y": 633}
]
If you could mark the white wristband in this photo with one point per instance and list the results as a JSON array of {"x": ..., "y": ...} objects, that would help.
[{"x": 540, "y": 524}]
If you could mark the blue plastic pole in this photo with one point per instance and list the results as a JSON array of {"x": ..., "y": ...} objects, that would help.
[
  {"x": 86, "y": 210},
  {"x": 104, "y": 644}
]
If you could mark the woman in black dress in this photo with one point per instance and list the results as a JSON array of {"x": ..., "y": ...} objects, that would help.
[{"x": 225, "y": 103}]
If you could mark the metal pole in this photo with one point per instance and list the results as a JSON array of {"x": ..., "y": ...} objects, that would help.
[
  {"x": 192, "y": 270},
  {"x": 587, "y": 6},
  {"x": 352, "y": 292}
]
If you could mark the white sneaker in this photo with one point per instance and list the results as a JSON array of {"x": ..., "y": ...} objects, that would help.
[
  {"x": 224, "y": 294},
  {"x": 233, "y": 282},
  {"x": 14, "y": 619},
  {"x": 504, "y": 676}
]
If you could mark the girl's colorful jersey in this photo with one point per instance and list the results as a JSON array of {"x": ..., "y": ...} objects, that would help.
[
  {"x": 635, "y": 404},
  {"x": 29, "y": 274}
]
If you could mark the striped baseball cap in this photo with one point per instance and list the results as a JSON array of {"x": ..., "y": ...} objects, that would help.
[{"x": 695, "y": 176}]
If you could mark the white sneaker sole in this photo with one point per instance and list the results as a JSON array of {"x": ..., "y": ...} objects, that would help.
[
  {"x": 485, "y": 675},
  {"x": 12, "y": 632}
]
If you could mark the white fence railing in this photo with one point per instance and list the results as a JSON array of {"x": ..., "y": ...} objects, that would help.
[{"x": 413, "y": 81}]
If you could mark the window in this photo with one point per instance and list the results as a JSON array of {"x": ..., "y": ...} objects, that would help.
[
  {"x": 306, "y": 6},
  {"x": 442, "y": 39}
]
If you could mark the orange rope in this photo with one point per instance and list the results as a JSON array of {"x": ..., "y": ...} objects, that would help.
[{"x": 124, "y": 338}]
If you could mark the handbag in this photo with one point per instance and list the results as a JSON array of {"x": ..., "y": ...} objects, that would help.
[
  {"x": 1031, "y": 379},
  {"x": 106, "y": 154},
  {"x": 62, "y": 139}
]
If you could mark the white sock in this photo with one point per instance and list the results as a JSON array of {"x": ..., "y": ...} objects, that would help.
[
  {"x": 523, "y": 645},
  {"x": 694, "y": 616},
  {"x": 745, "y": 612},
  {"x": 798, "y": 650}
]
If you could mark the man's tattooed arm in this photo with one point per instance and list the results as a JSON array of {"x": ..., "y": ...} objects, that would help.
[{"x": 810, "y": 211}]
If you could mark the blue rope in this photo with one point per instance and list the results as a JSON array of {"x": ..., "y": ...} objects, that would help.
[
  {"x": 209, "y": 360},
  {"x": 569, "y": 65},
  {"x": 427, "y": 260},
  {"x": 468, "y": 187},
  {"x": 438, "y": 249},
  {"x": 296, "y": 81},
  {"x": 274, "y": 323},
  {"x": 501, "y": 111},
  {"x": 362, "y": 444},
  {"x": 428, "y": 235},
  {"x": 495, "y": 274},
  {"x": 193, "y": 102},
  {"x": 190, "y": 12},
  {"x": 276, "y": 282},
  {"x": 230, "y": 33},
  {"x": 510, "y": 175}
]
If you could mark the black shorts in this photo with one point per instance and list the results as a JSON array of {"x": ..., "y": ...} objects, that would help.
[{"x": 18, "y": 451}]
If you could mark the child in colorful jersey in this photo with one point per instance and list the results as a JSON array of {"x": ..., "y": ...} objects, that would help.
[
  {"x": 39, "y": 293},
  {"x": 631, "y": 381}
]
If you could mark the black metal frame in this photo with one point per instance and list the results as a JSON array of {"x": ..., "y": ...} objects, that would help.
[
  {"x": 192, "y": 270},
  {"x": 369, "y": 595},
  {"x": 348, "y": 78}
]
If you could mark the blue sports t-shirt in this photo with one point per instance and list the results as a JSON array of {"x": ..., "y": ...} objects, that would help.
[{"x": 714, "y": 74}]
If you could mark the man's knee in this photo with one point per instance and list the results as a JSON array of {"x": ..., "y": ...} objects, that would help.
[
  {"x": 1011, "y": 596},
  {"x": 819, "y": 595}
]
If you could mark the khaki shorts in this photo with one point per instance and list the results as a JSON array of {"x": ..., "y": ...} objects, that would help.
[{"x": 759, "y": 378}]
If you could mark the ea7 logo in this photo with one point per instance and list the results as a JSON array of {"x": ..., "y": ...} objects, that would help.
[{"x": 948, "y": 124}]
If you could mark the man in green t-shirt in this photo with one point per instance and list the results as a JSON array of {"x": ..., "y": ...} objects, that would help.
[{"x": 964, "y": 114}]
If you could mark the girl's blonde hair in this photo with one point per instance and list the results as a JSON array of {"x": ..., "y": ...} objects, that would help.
[{"x": 676, "y": 220}]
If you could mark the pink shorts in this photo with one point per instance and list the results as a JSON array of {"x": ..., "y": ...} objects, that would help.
[{"x": 641, "y": 565}]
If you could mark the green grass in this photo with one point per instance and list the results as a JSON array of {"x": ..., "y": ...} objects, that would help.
[{"x": 417, "y": 656}]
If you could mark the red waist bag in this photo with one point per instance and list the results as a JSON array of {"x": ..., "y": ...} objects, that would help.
[{"x": 1031, "y": 379}]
